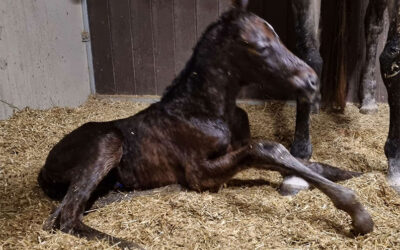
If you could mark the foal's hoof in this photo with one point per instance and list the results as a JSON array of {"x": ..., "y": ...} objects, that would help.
[
  {"x": 53, "y": 221},
  {"x": 129, "y": 245},
  {"x": 363, "y": 224},
  {"x": 291, "y": 185},
  {"x": 301, "y": 149}
]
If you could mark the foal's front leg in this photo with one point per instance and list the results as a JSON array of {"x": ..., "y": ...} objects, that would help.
[
  {"x": 274, "y": 156},
  {"x": 301, "y": 148}
]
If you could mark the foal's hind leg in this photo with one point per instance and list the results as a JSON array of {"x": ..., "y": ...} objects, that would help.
[{"x": 67, "y": 217}]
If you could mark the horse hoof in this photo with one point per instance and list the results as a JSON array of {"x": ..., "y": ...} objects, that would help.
[
  {"x": 291, "y": 185},
  {"x": 369, "y": 108}
]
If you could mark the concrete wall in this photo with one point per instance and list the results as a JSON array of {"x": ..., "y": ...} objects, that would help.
[{"x": 43, "y": 61}]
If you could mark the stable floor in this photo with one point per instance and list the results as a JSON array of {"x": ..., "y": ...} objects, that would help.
[{"x": 245, "y": 214}]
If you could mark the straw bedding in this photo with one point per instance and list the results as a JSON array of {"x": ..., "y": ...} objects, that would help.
[{"x": 247, "y": 215}]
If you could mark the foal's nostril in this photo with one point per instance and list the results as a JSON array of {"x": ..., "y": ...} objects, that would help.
[
  {"x": 312, "y": 81},
  {"x": 312, "y": 84}
]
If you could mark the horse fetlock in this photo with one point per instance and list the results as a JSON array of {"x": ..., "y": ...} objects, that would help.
[
  {"x": 368, "y": 105},
  {"x": 301, "y": 149},
  {"x": 392, "y": 150},
  {"x": 393, "y": 176}
]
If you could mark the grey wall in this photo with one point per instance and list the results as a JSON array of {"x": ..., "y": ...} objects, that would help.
[{"x": 43, "y": 61}]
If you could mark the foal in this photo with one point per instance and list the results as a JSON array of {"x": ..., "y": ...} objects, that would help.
[{"x": 195, "y": 136}]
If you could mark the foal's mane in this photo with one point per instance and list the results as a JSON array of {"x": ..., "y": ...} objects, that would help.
[{"x": 213, "y": 39}]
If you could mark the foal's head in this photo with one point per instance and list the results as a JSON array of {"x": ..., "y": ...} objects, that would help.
[{"x": 257, "y": 54}]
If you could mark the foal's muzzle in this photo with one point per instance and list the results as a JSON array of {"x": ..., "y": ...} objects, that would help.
[{"x": 307, "y": 84}]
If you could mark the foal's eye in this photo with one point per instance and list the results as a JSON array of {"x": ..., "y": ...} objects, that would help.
[{"x": 262, "y": 49}]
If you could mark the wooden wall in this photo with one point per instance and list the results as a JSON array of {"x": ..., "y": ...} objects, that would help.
[
  {"x": 139, "y": 46},
  {"x": 343, "y": 46},
  {"x": 43, "y": 61}
]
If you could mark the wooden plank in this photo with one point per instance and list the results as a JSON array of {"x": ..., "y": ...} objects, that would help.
[
  {"x": 276, "y": 15},
  {"x": 163, "y": 23},
  {"x": 122, "y": 46},
  {"x": 333, "y": 49},
  {"x": 224, "y": 5},
  {"x": 355, "y": 47},
  {"x": 101, "y": 46},
  {"x": 142, "y": 32},
  {"x": 185, "y": 31},
  {"x": 207, "y": 12}
]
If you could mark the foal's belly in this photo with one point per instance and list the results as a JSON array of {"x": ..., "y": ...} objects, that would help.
[{"x": 149, "y": 167}]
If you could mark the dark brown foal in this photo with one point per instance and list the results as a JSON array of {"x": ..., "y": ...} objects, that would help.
[{"x": 195, "y": 136}]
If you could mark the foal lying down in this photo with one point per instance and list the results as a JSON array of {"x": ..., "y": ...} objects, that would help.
[{"x": 195, "y": 136}]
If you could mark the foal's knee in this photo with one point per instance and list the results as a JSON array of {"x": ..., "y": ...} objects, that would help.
[
  {"x": 345, "y": 199},
  {"x": 274, "y": 150}
]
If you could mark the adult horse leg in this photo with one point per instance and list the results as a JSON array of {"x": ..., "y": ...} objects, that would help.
[
  {"x": 306, "y": 16},
  {"x": 374, "y": 23},
  {"x": 390, "y": 70}
]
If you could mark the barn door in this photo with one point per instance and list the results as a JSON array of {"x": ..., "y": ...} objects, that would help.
[{"x": 139, "y": 46}]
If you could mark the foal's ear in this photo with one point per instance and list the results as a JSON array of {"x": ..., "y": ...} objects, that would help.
[{"x": 242, "y": 4}]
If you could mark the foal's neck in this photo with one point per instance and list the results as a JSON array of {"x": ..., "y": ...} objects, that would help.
[{"x": 209, "y": 85}]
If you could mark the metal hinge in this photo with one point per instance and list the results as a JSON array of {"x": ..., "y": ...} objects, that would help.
[{"x": 85, "y": 36}]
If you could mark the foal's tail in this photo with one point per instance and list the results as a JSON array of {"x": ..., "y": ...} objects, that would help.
[{"x": 329, "y": 172}]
